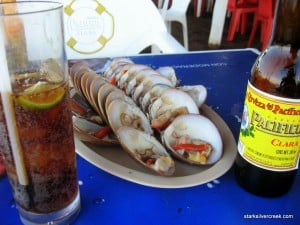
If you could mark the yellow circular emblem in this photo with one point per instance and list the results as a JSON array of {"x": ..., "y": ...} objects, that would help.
[{"x": 89, "y": 25}]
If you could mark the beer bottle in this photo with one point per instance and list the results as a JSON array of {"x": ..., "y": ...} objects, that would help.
[{"x": 269, "y": 141}]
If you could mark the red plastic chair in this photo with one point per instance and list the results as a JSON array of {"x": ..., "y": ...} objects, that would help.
[
  {"x": 264, "y": 16},
  {"x": 239, "y": 10},
  {"x": 2, "y": 167}
]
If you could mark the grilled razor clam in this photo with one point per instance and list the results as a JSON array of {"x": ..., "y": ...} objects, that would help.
[
  {"x": 193, "y": 139},
  {"x": 152, "y": 94},
  {"x": 197, "y": 92},
  {"x": 128, "y": 73},
  {"x": 120, "y": 113},
  {"x": 146, "y": 150},
  {"x": 169, "y": 105},
  {"x": 115, "y": 66},
  {"x": 146, "y": 84},
  {"x": 169, "y": 73}
]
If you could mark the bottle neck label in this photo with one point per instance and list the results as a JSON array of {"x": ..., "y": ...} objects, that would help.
[{"x": 270, "y": 131}]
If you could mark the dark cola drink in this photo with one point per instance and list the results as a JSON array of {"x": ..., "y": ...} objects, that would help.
[{"x": 44, "y": 125}]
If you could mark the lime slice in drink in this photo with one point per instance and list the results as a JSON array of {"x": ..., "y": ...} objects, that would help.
[{"x": 41, "y": 96}]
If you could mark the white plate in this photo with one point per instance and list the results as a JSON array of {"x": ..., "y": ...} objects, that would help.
[{"x": 116, "y": 162}]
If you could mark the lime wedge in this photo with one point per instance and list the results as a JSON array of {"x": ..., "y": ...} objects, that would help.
[{"x": 41, "y": 96}]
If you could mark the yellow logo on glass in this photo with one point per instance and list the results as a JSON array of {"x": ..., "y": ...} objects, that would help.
[{"x": 90, "y": 26}]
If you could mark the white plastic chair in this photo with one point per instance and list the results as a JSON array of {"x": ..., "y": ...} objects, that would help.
[
  {"x": 198, "y": 5},
  {"x": 111, "y": 28},
  {"x": 177, "y": 12}
]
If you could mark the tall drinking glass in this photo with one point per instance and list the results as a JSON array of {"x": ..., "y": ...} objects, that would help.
[{"x": 36, "y": 133}]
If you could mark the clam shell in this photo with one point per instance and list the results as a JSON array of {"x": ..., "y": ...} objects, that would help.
[
  {"x": 116, "y": 66},
  {"x": 147, "y": 83},
  {"x": 122, "y": 79},
  {"x": 169, "y": 73},
  {"x": 77, "y": 78},
  {"x": 120, "y": 113},
  {"x": 103, "y": 92},
  {"x": 197, "y": 92},
  {"x": 138, "y": 78},
  {"x": 123, "y": 71},
  {"x": 170, "y": 100},
  {"x": 141, "y": 146},
  {"x": 94, "y": 90},
  {"x": 76, "y": 67},
  {"x": 155, "y": 91},
  {"x": 85, "y": 129},
  {"x": 196, "y": 127},
  {"x": 128, "y": 73},
  {"x": 85, "y": 83},
  {"x": 81, "y": 108},
  {"x": 118, "y": 94}
]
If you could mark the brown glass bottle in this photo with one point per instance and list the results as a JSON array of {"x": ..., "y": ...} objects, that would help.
[{"x": 277, "y": 73}]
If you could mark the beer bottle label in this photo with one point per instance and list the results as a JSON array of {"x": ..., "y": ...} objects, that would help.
[{"x": 270, "y": 131}]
